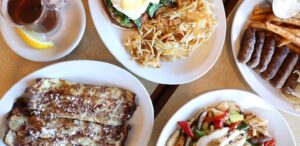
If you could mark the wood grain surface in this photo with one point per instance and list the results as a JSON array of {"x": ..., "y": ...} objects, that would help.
[
  {"x": 13, "y": 67},
  {"x": 166, "y": 99}
]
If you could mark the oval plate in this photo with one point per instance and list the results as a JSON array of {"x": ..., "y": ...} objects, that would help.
[
  {"x": 178, "y": 72},
  {"x": 91, "y": 72},
  {"x": 259, "y": 85},
  {"x": 65, "y": 39},
  {"x": 249, "y": 102}
]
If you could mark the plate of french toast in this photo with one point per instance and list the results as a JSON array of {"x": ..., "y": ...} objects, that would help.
[
  {"x": 266, "y": 50},
  {"x": 70, "y": 104}
]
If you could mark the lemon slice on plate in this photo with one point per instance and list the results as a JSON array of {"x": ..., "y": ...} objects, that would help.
[{"x": 34, "y": 39}]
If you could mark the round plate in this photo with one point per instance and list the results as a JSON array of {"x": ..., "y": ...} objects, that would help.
[
  {"x": 178, "y": 72},
  {"x": 259, "y": 85},
  {"x": 249, "y": 102},
  {"x": 91, "y": 72},
  {"x": 65, "y": 40}
]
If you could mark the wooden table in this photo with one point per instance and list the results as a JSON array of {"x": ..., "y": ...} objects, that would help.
[
  {"x": 215, "y": 79},
  {"x": 166, "y": 99}
]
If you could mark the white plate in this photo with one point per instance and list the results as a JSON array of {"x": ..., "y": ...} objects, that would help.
[
  {"x": 259, "y": 85},
  {"x": 92, "y": 72},
  {"x": 249, "y": 102},
  {"x": 66, "y": 39},
  {"x": 177, "y": 72}
]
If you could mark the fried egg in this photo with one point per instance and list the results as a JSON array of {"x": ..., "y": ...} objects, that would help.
[{"x": 132, "y": 8}]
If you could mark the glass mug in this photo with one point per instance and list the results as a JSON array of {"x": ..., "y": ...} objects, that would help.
[{"x": 41, "y": 16}]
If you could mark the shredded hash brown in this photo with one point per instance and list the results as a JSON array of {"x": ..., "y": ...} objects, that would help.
[{"x": 173, "y": 34}]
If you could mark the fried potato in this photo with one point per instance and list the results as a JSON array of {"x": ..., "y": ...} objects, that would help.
[
  {"x": 291, "y": 21},
  {"x": 259, "y": 25},
  {"x": 260, "y": 10},
  {"x": 260, "y": 17},
  {"x": 282, "y": 42},
  {"x": 284, "y": 33},
  {"x": 290, "y": 31},
  {"x": 294, "y": 31},
  {"x": 294, "y": 48}
]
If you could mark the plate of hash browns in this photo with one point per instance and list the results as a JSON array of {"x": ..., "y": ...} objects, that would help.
[{"x": 163, "y": 41}]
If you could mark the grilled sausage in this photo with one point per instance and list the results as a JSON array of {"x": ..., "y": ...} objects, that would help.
[
  {"x": 266, "y": 55},
  {"x": 285, "y": 70},
  {"x": 247, "y": 45},
  {"x": 276, "y": 61},
  {"x": 259, "y": 43},
  {"x": 292, "y": 81}
]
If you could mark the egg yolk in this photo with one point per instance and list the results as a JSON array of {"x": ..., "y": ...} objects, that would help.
[{"x": 131, "y": 4}]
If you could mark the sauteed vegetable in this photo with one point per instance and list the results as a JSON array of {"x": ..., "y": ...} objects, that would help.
[{"x": 224, "y": 124}]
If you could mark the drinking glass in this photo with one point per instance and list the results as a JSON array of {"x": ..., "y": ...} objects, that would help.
[{"x": 43, "y": 16}]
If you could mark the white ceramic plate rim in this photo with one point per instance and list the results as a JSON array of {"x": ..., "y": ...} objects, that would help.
[
  {"x": 260, "y": 86},
  {"x": 217, "y": 96},
  {"x": 56, "y": 56},
  {"x": 160, "y": 76},
  {"x": 144, "y": 108}
]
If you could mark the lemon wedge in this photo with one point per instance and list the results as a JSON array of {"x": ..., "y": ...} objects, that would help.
[{"x": 34, "y": 39}]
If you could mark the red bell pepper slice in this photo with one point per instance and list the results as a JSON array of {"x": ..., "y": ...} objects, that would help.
[
  {"x": 217, "y": 118},
  {"x": 185, "y": 126},
  {"x": 218, "y": 124},
  {"x": 233, "y": 125},
  {"x": 272, "y": 142}
]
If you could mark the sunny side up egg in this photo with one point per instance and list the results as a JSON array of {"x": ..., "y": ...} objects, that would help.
[{"x": 132, "y": 8}]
